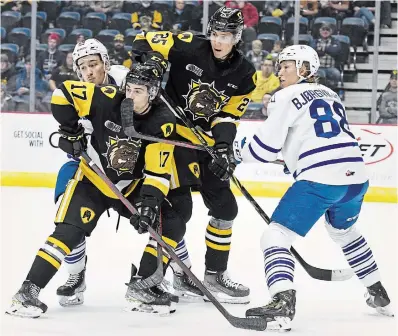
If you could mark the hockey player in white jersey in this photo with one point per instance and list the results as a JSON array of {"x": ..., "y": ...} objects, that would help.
[
  {"x": 91, "y": 63},
  {"x": 308, "y": 125}
]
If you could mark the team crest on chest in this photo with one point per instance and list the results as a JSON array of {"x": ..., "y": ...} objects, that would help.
[
  {"x": 122, "y": 154},
  {"x": 203, "y": 100}
]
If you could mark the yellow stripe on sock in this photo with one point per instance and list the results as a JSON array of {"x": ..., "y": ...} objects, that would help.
[
  {"x": 60, "y": 244},
  {"x": 154, "y": 252},
  {"x": 50, "y": 259},
  {"x": 169, "y": 241},
  {"x": 218, "y": 247},
  {"x": 219, "y": 231}
]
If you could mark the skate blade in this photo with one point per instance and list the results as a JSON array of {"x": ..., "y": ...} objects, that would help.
[
  {"x": 135, "y": 306},
  {"x": 20, "y": 310},
  {"x": 188, "y": 297},
  {"x": 280, "y": 323},
  {"x": 225, "y": 298},
  {"x": 70, "y": 301},
  {"x": 386, "y": 311}
]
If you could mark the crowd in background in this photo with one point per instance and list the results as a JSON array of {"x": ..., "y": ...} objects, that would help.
[{"x": 54, "y": 60}]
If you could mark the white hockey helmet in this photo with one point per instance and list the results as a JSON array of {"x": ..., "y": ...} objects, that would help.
[
  {"x": 301, "y": 53},
  {"x": 90, "y": 47}
]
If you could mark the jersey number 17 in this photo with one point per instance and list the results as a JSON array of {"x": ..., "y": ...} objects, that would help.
[{"x": 334, "y": 116}]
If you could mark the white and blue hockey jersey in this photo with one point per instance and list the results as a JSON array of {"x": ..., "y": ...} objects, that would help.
[{"x": 308, "y": 125}]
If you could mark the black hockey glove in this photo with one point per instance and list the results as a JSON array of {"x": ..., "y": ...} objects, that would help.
[
  {"x": 72, "y": 141},
  {"x": 224, "y": 165},
  {"x": 155, "y": 59},
  {"x": 149, "y": 211}
]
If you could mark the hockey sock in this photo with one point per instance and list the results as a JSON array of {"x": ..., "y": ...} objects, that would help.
[
  {"x": 182, "y": 253},
  {"x": 149, "y": 260},
  {"x": 218, "y": 241},
  {"x": 49, "y": 258},
  {"x": 279, "y": 263},
  {"x": 357, "y": 252},
  {"x": 76, "y": 260}
]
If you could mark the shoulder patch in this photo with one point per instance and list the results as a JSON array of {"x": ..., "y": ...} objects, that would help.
[
  {"x": 186, "y": 37},
  {"x": 109, "y": 91},
  {"x": 167, "y": 129}
]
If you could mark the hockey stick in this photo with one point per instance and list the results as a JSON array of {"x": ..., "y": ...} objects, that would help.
[
  {"x": 238, "y": 322},
  {"x": 312, "y": 271}
]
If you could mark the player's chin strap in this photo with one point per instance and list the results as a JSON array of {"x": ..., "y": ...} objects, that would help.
[
  {"x": 238, "y": 322},
  {"x": 313, "y": 272}
]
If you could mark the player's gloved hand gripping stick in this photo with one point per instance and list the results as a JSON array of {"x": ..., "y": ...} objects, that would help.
[
  {"x": 238, "y": 322},
  {"x": 312, "y": 271}
]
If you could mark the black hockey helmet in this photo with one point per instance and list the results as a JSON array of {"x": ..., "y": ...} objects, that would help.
[
  {"x": 227, "y": 20},
  {"x": 149, "y": 76}
]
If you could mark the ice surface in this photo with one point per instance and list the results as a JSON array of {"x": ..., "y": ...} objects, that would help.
[{"x": 323, "y": 309}]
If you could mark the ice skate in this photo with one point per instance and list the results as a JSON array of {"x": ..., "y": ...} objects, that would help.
[
  {"x": 376, "y": 297},
  {"x": 71, "y": 294},
  {"x": 186, "y": 289},
  {"x": 224, "y": 289},
  {"x": 279, "y": 312},
  {"x": 150, "y": 300},
  {"x": 26, "y": 303}
]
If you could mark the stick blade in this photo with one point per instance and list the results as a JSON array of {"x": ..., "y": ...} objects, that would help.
[
  {"x": 342, "y": 274},
  {"x": 254, "y": 323},
  {"x": 127, "y": 116}
]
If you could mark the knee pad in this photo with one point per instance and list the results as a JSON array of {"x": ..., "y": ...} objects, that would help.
[
  {"x": 70, "y": 235},
  {"x": 181, "y": 203},
  {"x": 221, "y": 223},
  {"x": 225, "y": 208},
  {"x": 343, "y": 237},
  {"x": 277, "y": 235}
]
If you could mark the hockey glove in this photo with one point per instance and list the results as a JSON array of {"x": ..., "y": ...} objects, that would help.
[
  {"x": 155, "y": 59},
  {"x": 149, "y": 211},
  {"x": 73, "y": 142},
  {"x": 224, "y": 165}
]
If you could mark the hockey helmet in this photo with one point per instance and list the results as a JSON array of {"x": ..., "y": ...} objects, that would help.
[
  {"x": 300, "y": 54},
  {"x": 141, "y": 74},
  {"x": 90, "y": 47},
  {"x": 227, "y": 20}
]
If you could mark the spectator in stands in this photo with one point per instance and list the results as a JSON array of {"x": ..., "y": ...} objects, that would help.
[
  {"x": 267, "y": 81},
  {"x": 118, "y": 55},
  {"x": 388, "y": 104},
  {"x": 250, "y": 17},
  {"x": 365, "y": 10},
  {"x": 80, "y": 38},
  {"x": 278, "y": 46},
  {"x": 51, "y": 58},
  {"x": 197, "y": 14},
  {"x": 8, "y": 73},
  {"x": 181, "y": 16},
  {"x": 7, "y": 104},
  {"x": 309, "y": 9},
  {"x": 257, "y": 55},
  {"x": 107, "y": 7},
  {"x": 23, "y": 87},
  {"x": 82, "y": 7},
  {"x": 63, "y": 73},
  {"x": 282, "y": 9},
  {"x": 328, "y": 48},
  {"x": 336, "y": 9},
  {"x": 147, "y": 17}
]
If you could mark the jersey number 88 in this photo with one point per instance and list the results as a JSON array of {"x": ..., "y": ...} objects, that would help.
[{"x": 328, "y": 118}]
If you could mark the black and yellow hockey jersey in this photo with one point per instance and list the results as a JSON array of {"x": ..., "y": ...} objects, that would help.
[
  {"x": 124, "y": 160},
  {"x": 213, "y": 95}
]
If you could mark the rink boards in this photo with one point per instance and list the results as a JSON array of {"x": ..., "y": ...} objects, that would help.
[{"x": 28, "y": 159}]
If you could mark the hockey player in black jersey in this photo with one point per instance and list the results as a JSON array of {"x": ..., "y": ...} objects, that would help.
[
  {"x": 212, "y": 82},
  {"x": 141, "y": 170}
]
